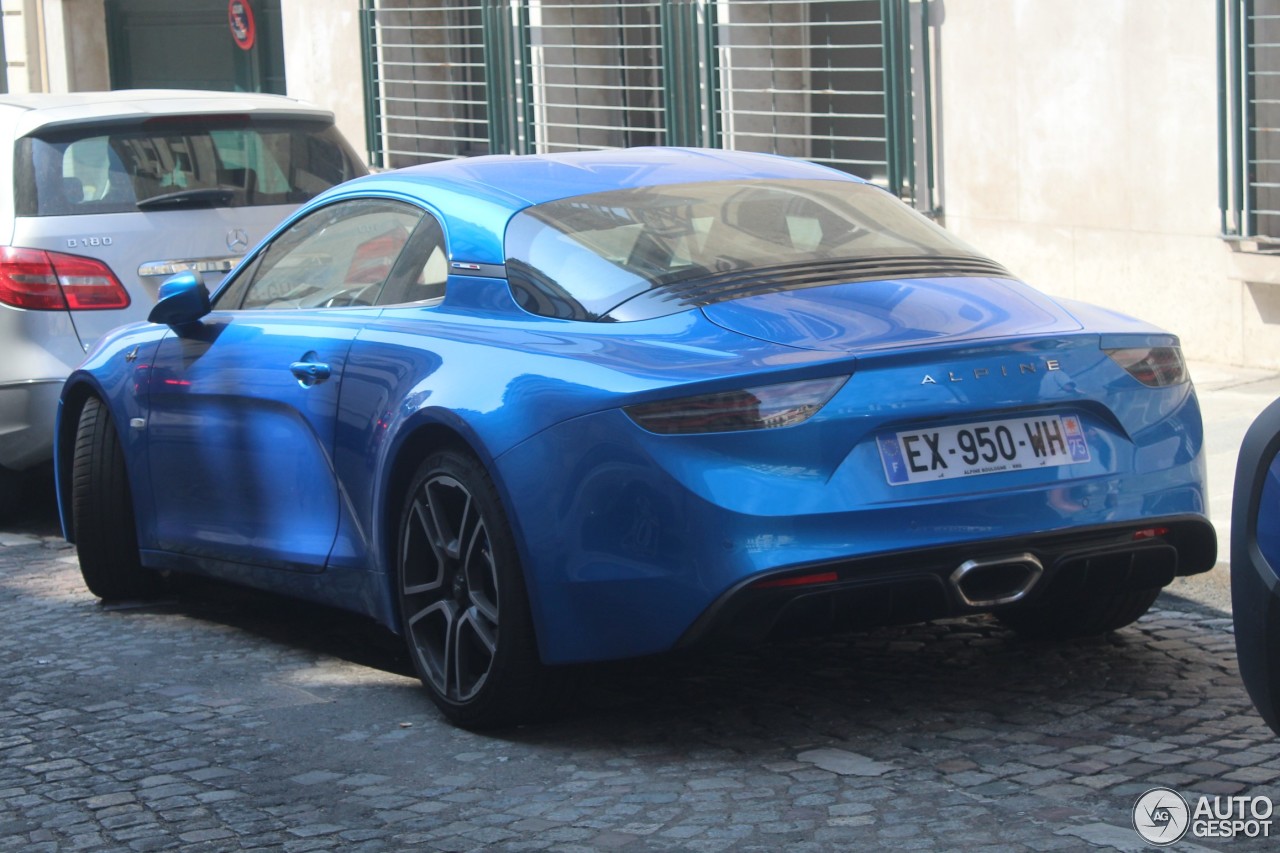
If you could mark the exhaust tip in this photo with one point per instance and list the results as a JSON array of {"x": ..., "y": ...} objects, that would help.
[{"x": 997, "y": 580}]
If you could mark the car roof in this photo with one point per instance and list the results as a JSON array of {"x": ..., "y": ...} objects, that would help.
[
  {"x": 477, "y": 196},
  {"x": 30, "y": 113},
  {"x": 538, "y": 178}
]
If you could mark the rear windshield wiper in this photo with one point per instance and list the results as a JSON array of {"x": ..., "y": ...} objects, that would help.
[{"x": 194, "y": 197}]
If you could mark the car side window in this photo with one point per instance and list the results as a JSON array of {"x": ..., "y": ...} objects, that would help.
[
  {"x": 339, "y": 256},
  {"x": 423, "y": 267}
]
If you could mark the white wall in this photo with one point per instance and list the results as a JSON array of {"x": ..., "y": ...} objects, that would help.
[
  {"x": 55, "y": 45},
  {"x": 22, "y": 62},
  {"x": 76, "y": 41},
  {"x": 323, "y": 63},
  {"x": 1079, "y": 147}
]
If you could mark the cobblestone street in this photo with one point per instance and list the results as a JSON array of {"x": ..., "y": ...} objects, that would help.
[{"x": 228, "y": 720}]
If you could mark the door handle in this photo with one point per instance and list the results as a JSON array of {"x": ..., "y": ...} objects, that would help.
[{"x": 309, "y": 372}]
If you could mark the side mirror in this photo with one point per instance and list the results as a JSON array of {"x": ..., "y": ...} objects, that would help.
[{"x": 183, "y": 300}]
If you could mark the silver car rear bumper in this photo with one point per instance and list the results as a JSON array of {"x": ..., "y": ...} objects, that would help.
[{"x": 28, "y": 410}]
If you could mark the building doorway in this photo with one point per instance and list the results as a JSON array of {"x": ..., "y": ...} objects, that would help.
[{"x": 227, "y": 45}]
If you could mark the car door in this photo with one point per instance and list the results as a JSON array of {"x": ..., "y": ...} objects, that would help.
[
  {"x": 244, "y": 404},
  {"x": 1255, "y": 563}
]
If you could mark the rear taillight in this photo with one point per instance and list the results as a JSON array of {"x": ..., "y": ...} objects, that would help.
[
  {"x": 762, "y": 407},
  {"x": 1154, "y": 366},
  {"x": 50, "y": 281},
  {"x": 801, "y": 580}
]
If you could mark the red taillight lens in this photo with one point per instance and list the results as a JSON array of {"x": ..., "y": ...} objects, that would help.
[
  {"x": 88, "y": 284},
  {"x": 802, "y": 580},
  {"x": 51, "y": 281},
  {"x": 762, "y": 407},
  {"x": 1153, "y": 366},
  {"x": 27, "y": 280}
]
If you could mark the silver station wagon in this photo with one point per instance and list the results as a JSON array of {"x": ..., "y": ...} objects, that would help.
[{"x": 113, "y": 192}]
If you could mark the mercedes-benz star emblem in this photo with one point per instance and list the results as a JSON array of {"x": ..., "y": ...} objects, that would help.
[{"x": 237, "y": 240}]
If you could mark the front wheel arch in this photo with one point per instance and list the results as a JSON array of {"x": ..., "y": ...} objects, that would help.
[
  {"x": 71, "y": 406},
  {"x": 102, "y": 509}
]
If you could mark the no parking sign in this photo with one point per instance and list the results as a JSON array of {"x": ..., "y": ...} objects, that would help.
[{"x": 243, "y": 28}]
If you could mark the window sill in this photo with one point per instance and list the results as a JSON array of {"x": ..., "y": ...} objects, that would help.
[{"x": 1255, "y": 262}]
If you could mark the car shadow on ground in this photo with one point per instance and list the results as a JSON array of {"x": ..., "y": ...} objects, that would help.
[
  {"x": 36, "y": 512},
  {"x": 944, "y": 674},
  {"x": 945, "y": 669},
  {"x": 891, "y": 678},
  {"x": 282, "y": 621}
]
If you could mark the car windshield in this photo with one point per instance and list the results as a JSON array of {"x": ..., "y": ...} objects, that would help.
[
  {"x": 179, "y": 162},
  {"x": 637, "y": 253}
]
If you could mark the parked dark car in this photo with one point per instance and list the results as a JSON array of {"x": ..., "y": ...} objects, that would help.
[{"x": 1255, "y": 563}]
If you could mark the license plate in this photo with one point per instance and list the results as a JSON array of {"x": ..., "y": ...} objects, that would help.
[{"x": 989, "y": 447}]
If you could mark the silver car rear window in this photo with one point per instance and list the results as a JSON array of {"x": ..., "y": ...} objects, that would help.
[{"x": 178, "y": 162}]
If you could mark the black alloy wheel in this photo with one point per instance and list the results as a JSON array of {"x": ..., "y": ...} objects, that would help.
[{"x": 463, "y": 606}]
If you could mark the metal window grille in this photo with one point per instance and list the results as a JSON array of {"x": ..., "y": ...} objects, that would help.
[
  {"x": 427, "y": 77},
  {"x": 804, "y": 79},
  {"x": 595, "y": 75},
  {"x": 841, "y": 82},
  {"x": 1249, "y": 119}
]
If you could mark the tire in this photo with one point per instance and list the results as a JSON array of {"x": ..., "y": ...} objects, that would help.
[
  {"x": 1062, "y": 620},
  {"x": 102, "y": 511},
  {"x": 463, "y": 603}
]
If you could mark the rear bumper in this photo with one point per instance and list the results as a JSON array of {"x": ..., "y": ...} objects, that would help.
[
  {"x": 916, "y": 586},
  {"x": 632, "y": 541},
  {"x": 631, "y": 550}
]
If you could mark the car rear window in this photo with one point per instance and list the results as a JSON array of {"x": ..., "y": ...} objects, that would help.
[
  {"x": 645, "y": 252},
  {"x": 182, "y": 162}
]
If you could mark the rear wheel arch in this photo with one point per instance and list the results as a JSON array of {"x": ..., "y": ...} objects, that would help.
[
  {"x": 417, "y": 443},
  {"x": 461, "y": 595}
]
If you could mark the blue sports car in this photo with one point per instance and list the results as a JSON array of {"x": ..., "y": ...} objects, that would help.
[{"x": 531, "y": 411}]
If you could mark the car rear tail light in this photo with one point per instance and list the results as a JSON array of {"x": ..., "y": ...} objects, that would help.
[
  {"x": 1153, "y": 366},
  {"x": 762, "y": 407},
  {"x": 50, "y": 281}
]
